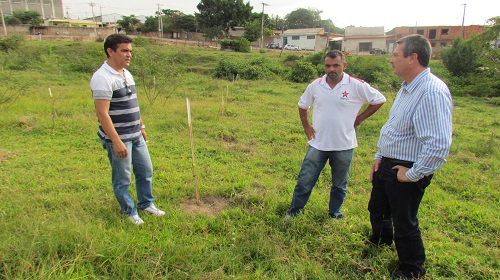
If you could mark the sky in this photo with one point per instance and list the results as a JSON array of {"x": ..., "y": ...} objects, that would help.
[{"x": 365, "y": 13}]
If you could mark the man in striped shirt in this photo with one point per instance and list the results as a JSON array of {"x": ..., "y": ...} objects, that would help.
[
  {"x": 413, "y": 144},
  {"x": 121, "y": 130}
]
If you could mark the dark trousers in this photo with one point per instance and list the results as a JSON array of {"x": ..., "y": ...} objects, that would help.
[{"x": 393, "y": 203}]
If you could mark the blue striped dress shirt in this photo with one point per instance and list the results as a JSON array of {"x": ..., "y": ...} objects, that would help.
[{"x": 419, "y": 128}]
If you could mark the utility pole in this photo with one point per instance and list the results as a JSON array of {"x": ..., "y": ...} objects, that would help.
[
  {"x": 93, "y": 18},
  {"x": 3, "y": 22},
  {"x": 463, "y": 21},
  {"x": 160, "y": 22},
  {"x": 262, "y": 26}
]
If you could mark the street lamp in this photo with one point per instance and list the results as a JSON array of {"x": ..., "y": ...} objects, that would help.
[{"x": 262, "y": 27}]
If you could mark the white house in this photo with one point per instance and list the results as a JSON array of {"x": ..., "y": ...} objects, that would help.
[
  {"x": 364, "y": 39},
  {"x": 314, "y": 39}
]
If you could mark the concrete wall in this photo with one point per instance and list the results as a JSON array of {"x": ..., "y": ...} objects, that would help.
[{"x": 58, "y": 31}]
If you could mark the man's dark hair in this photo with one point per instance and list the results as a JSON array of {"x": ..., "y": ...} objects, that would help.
[
  {"x": 112, "y": 41},
  {"x": 334, "y": 54},
  {"x": 418, "y": 44}
]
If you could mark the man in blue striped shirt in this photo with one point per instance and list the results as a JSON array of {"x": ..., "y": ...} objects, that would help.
[{"x": 413, "y": 144}]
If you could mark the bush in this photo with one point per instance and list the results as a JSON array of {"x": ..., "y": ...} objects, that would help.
[
  {"x": 365, "y": 67},
  {"x": 88, "y": 60},
  {"x": 228, "y": 68},
  {"x": 462, "y": 57},
  {"x": 240, "y": 45},
  {"x": 469, "y": 86},
  {"x": 317, "y": 58},
  {"x": 10, "y": 43},
  {"x": 304, "y": 72},
  {"x": 141, "y": 41}
]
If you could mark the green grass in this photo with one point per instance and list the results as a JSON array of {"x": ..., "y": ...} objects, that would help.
[{"x": 60, "y": 220}]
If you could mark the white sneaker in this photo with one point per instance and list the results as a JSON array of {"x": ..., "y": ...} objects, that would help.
[
  {"x": 155, "y": 211},
  {"x": 136, "y": 219}
]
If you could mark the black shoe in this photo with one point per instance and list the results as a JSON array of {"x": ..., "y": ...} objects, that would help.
[
  {"x": 337, "y": 216},
  {"x": 400, "y": 275}
]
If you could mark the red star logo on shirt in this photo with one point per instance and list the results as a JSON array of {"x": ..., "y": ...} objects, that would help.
[{"x": 345, "y": 94}]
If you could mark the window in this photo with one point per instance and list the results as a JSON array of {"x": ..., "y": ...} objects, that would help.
[
  {"x": 295, "y": 37},
  {"x": 420, "y": 31},
  {"x": 365, "y": 47},
  {"x": 433, "y": 44},
  {"x": 443, "y": 44},
  {"x": 432, "y": 34},
  {"x": 311, "y": 37},
  {"x": 445, "y": 31}
]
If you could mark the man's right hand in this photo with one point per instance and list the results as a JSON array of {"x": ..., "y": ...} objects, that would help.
[
  {"x": 309, "y": 131},
  {"x": 375, "y": 165},
  {"x": 120, "y": 149}
]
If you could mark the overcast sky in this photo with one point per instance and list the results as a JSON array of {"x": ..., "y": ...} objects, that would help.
[{"x": 367, "y": 13}]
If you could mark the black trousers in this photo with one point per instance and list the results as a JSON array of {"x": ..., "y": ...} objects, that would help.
[{"x": 393, "y": 210}]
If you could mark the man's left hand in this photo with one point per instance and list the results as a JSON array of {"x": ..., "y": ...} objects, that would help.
[{"x": 402, "y": 173}]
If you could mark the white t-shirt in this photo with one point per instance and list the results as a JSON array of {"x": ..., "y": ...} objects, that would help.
[{"x": 335, "y": 110}]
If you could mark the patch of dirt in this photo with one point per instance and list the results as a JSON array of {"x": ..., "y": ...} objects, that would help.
[
  {"x": 208, "y": 206},
  {"x": 5, "y": 155}
]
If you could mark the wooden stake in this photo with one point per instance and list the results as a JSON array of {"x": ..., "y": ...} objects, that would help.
[{"x": 192, "y": 151}]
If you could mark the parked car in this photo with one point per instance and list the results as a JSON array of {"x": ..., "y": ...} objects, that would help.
[
  {"x": 273, "y": 46},
  {"x": 377, "y": 51},
  {"x": 291, "y": 47}
]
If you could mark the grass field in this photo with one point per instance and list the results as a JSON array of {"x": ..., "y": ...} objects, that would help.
[{"x": 60, "y": 220}]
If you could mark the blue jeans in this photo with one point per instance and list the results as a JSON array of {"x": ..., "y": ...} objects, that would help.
[
  {"x": 121, "y": 171},
  {"x": 313, "y": 164}
]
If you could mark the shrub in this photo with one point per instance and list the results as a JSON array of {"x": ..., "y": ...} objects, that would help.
[
  {"x": 462, "y": 57},
  {"x": 240, "y": 45},
  {"x": 365, "y": 67},
  {"x": 317, "y": 58},
  {"x": 303, "y": 72},
  {"x": 469, "y": 86},
  {"x": 10, "y": 43},
  {"x": 141, "y": 41},
  {"x": 228, "y": 68}
]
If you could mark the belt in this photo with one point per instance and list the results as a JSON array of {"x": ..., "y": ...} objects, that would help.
[{"x": 396, "y": 161}]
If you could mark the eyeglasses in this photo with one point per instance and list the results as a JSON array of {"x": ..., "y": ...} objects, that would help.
[{"x": 129, "y": 91}]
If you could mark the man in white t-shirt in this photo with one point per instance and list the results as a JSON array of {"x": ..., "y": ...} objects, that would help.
[{"x": 336, "y": 99}]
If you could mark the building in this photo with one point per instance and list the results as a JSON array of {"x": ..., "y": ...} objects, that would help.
[
  {"x": 439, "y": 36},
  {"x": 364, "y": 40},
  {"x": 48, "y": 9},
  {"x": 314, "y": 39}
]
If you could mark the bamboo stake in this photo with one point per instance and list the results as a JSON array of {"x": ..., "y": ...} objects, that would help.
[
  {"x": 188, "y": 104},
  {"x": 54, "y": 114}
]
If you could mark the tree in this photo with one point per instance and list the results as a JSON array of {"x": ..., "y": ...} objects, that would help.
[
  {"x": 462, "y": 57},
  {"x": 328, "y": 25},
  {"x": 186, "y": 23},
  {"x": 280, "y": 23},
  {"x": 491, "y": 35},
  {"x": 269, "y": 22},
  {"x": 252, "y": 30},
  {"x": 303, "y": 18},
  {"x": 222, "y": 14},
  {"x": 32, "y": 18},
  {"x": 150, "y": 24},
  {"x": 128, "y": 23}
]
